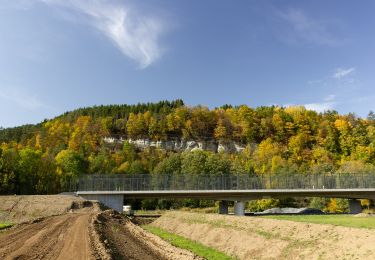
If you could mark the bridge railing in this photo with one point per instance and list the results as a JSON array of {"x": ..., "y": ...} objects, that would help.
[{"x": 151, "y": 182}]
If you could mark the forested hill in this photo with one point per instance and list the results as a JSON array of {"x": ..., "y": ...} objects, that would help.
[
  {"x": 42, "y": 158},
  {"x": 22, "y": 133}
]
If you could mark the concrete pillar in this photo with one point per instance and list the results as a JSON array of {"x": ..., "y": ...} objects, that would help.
[
  {"x": 239, "y": 208},
  {"x": 223, "y": 207},
  {"x": 113, "y": 201},
  {"x": 355, "y": 206}
]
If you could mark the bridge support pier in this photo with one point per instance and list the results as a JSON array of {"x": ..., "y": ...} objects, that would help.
[
  {"x": 239, "y": 208},
  {"x": 113, "y": 201},
  {"x": 355, "y": 206},
  {"x": 223, "y": 207}
]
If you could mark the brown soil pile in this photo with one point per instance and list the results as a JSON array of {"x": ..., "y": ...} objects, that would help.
[
  {"x": 260, "y": 238},
  {"x": 125, "y": 240},
  {"x": 18, "y": 209}
]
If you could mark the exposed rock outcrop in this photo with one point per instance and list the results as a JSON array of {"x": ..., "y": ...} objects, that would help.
[{"x": 181, "y": 145}]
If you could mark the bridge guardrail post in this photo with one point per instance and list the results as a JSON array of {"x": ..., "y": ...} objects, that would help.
[{"x": 363, "y": 181}]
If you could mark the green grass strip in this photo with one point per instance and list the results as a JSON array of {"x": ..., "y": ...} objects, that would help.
[
  {"x": 337, "y": 220},
  {"x": 181, "y": 242},
  {"x": 4, "y": 225}
]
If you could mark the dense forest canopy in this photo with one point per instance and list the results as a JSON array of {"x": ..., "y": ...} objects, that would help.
[{"x": 41, "y": 158}]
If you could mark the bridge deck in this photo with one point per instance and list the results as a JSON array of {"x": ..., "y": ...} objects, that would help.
[
  {"x": 111, "y": 190},
  {"x": 361, "y": 193}
]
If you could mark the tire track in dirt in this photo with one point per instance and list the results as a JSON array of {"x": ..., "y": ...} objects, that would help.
[
  {"x": 79, "y": 240},
  {"x": 14, "y": 237},
  {"x": 72, "y": 236},
  {"x": 59, "y": 237}
]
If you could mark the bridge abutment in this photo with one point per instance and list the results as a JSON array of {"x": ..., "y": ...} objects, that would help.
[
  {"x": 223, "y": 207},
  {"x": 239, "y": 208},
  {"x": 355, "y": 206},
  {"x": 113, "y": 201}
]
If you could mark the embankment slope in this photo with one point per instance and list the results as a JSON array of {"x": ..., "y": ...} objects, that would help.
[
  {"x": 22, "y": 208},
  {"x": 260, "y": 238}
]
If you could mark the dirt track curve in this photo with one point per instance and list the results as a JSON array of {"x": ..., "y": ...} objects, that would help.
[
  {"x": 78, "y": 231},
  {"x": 59, "y": 237}
]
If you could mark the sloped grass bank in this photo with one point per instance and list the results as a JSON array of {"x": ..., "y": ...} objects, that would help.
[
  {"x": 251, "y": 237},
  {"x": 193, "y": 246},
  {"x": 337, "y": 220}
]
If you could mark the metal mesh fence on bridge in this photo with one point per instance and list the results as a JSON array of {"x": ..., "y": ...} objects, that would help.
[{"x": 154, "y": 182}]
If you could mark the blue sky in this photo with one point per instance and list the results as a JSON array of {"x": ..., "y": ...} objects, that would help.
[{"x": 58, "y": 55}]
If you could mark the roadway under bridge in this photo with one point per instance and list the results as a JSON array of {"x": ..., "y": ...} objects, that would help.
[{"x": 111, "y": 190}]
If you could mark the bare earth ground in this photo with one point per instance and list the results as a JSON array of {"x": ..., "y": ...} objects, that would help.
[
  {"x": 259, "y": 238},
  {"x": 18, "y": 209},
  {"x": 64, "y": 227},
  {"x": 129, "y": 241},
  {"x": 59, "y": 237}
]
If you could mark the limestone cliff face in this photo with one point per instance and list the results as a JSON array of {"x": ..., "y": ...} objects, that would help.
[{"x": 181, "y": 145}]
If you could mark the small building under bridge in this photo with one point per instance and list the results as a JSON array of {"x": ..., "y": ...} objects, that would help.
[{"x": 111, "y": 190}]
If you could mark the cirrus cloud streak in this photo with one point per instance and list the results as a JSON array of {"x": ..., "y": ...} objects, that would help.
[{"x": 136, "y": 35}]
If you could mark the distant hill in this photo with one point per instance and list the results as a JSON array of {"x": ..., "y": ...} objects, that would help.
[
  {"x": 44, "y": 157},
  {"x": 21, "y": 133}
]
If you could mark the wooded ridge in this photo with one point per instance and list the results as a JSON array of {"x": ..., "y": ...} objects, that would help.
[{"x": 41, "y": 158}]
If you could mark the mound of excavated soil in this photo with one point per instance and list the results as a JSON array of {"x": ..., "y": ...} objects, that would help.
[
  {"x": 18, "y": 209},
  {"x": 125, "y": 240},
  {"x": 261, "y": 238}
]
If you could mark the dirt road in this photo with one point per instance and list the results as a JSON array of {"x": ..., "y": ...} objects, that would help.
[
  {"x": 59, "y": 237},
  {"x": 71, "y": 236},
  {"x": 67, "y": 227}
]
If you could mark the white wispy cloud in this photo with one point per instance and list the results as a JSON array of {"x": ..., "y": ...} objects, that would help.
[
  {"x": 328, "y": 103},
  {"x": 21, "y": 98},
  {"x": 320, "y": 107},
  {"x": 136, "y": 35},
  {"x": 342, "y": 73},
  {"x": 302, "y": 27},
  {"x": 340, "y": 78}
]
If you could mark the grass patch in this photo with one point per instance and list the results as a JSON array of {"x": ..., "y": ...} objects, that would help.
[
  {"x": 181, "y": 242},
  {"x": 337, "y": 220},
  {"x": 5, "y": 225}
]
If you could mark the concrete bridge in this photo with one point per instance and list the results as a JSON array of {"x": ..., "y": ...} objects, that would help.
[{"x": 111, "y": 190}]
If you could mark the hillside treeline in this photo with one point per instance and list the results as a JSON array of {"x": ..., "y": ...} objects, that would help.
[{"x": 43, "y": 158}]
